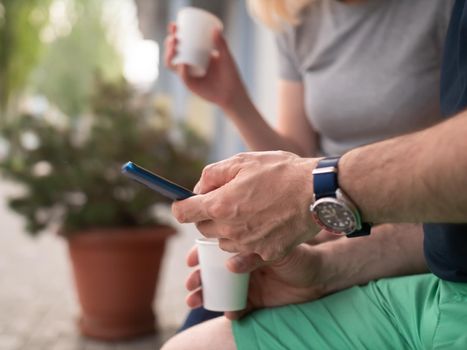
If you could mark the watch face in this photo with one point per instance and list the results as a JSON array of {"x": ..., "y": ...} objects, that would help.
[{"x": 334, "y": 216}]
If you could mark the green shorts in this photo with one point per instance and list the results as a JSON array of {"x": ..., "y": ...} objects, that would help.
[{"x": 411, "y": 312}]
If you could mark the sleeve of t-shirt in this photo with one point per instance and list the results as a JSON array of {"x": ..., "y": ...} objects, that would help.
[{"x": 287, "y": 59}]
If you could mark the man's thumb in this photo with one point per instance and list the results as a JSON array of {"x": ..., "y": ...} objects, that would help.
[{"x": 244, "y": 262}]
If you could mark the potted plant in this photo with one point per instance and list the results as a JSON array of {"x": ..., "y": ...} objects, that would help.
[{"x": 70, "y": 171}]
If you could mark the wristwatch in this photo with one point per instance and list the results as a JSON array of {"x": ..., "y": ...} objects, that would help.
[{"x": 332, "y": 208}]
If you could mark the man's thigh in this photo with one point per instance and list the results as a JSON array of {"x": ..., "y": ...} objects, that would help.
[{"x": 392, "y": 313}]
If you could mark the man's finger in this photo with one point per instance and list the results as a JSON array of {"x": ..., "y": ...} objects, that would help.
[
  {"x": 208, "y": 229},
  {"x": 190, "y": 210},
  {"x": 214, "y": 205},
  {"x": 194, "y": 299},
  {"x": 196, "y": 188},
  {"x": 228, "y": 245},
  {"x": 217, "y": 175},
  {"x": 192, "y": 257},
  {"x": 194, "y": 281},
  {"x": 245, "y": 262}
]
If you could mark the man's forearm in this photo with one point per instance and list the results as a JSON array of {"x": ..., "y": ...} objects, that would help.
[
  {"x": 421, "y": 177},
  {"x": 391, "y": 250}
]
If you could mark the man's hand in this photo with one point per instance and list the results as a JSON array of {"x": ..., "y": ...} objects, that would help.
[
  {"x": 309, "y": 272},
  {"x": 254, "y": 202},
  {"x": 291, "y": 280}
]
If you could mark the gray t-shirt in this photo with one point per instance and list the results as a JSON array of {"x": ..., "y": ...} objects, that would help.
[{"x": 370, "y": 70}]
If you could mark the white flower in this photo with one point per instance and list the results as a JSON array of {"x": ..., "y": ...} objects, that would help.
[
  {"x": 42, "y": 168},
  {"x": 30, "y": 141}
]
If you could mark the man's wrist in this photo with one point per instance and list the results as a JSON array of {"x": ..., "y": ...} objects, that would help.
[
  {"x": 307, "y": 166},
  {"x": 323, "y": 268},
  {"x": 335, "y": 271}
]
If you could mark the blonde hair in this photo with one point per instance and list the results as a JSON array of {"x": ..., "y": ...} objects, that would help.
[{"x": 274, "y": 13}]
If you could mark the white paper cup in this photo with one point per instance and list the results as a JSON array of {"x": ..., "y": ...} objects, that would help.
[
  {"x": 195, "y": 28},
  {"x": 223, "y": 290}
]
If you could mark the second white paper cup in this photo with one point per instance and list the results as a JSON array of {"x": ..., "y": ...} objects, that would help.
[
  {"x": 194, "y": 34},
  {"x": 223, "y": 290}
]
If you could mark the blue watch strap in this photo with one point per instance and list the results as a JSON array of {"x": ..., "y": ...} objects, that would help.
[{"x": 325, "y": 184}]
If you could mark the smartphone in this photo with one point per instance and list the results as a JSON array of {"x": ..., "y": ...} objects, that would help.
[{"x": 156, "y": 182}]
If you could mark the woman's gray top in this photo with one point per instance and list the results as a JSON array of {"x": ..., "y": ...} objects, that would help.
[{"x": 370, "y": 70}]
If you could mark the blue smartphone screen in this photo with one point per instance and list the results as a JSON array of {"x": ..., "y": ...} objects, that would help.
[{"x": 156, "y": 182}]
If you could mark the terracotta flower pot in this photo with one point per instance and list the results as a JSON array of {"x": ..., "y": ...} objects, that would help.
[{"x": 116, "y": 272}]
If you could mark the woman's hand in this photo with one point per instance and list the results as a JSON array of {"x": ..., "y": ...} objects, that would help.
[
  {"x": 222, "y": 84},
  {"x": 291, "y": 280}
]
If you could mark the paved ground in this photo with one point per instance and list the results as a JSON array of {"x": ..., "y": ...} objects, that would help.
[{"x": 38, "y": 307}]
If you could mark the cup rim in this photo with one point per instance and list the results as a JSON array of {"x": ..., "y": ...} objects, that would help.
[
  {"x": 205, "y": 12},
  {"x": 207, "y": 241}
]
